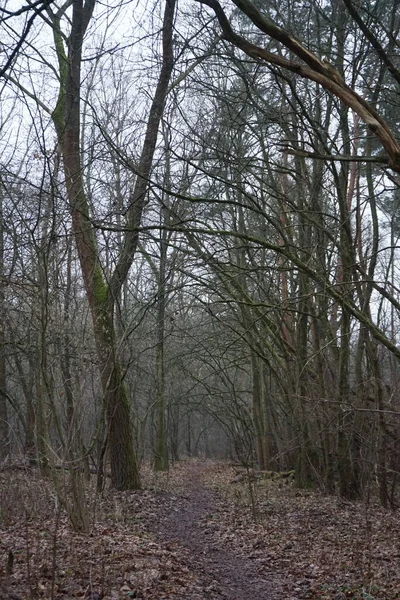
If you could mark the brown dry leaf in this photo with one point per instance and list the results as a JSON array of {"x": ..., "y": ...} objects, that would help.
[{"x": 191, "y": 535}]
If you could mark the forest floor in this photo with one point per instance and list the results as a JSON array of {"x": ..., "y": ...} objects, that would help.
[{"x": 196, "y": 533}]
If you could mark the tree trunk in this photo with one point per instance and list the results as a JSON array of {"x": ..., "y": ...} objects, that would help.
[
  {"x": 161, "y": 446},
  {"x": 66, "y": 117},
  {"x": 4, "y": 427},
  {"x": 102, "y": 296},
  {"x": 258, "y": 412}
]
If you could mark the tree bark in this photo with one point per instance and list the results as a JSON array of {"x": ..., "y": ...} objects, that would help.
[
  {"x": 102, "y": 296},
  {"x": 66, "y": 117},
  {"x": 4, "y": 427},
  {"x": 161, "y": 445}
]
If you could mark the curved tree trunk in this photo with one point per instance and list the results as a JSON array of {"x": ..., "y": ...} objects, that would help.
[{"x": 101, "y": 295}]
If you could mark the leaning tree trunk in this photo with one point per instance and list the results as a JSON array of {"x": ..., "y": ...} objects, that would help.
[
  {"x": 102, "y": 296},
  {"x": 124, "y": 465}
]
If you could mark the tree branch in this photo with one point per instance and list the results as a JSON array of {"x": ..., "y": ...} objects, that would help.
[
  {"x": 138, "y": 198},
  {"x": 14, "y": 53},
  {"x": 393, "y": 70},
  {"x": 320, "y": 72},
  {"x": 329, "y": 157}
]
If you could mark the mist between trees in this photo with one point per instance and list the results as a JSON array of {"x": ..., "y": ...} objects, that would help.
[{"x": 199, "y": 238}]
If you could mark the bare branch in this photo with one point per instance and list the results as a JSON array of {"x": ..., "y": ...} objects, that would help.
[
  {"x": 37, "y": 11},
  {"x": 371, "y": 37},
  {"x": 329, "y": 157},
  {"x": 320, "y": 72}
]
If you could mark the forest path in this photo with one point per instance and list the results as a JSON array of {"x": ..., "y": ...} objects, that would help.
[{"x": 189, "y": 520}]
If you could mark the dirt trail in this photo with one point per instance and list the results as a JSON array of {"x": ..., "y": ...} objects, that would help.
[{"x": 184, "y": 519}]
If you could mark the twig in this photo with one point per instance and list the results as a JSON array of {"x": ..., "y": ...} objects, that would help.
[{"x": 332, "y": 157}]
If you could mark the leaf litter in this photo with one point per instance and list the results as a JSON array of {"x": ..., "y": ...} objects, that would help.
[{"x": 197, "y": 534}]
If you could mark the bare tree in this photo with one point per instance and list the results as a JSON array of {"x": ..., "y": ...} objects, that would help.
[{"x": 102, "y": 295}]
